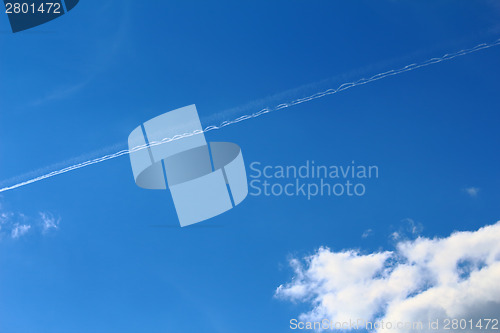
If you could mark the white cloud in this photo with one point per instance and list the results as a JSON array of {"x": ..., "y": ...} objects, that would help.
[
  {"x": 10, "y": 225},
  {"x": 409, "y": 229},
  {"x": 15, "y": 224},
  {"x": 395, "y": 236},
  {"x": 19, "y": 230},
  {"x": 472, "y": 191},
  {"x": 367, "y": 233},
  {"x": 421, "y": 280},
  {"x": 49, "y": 221},
  {"x": 5, "y": 217}
]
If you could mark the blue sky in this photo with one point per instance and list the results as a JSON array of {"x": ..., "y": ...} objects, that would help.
[{"x": 76, "y": 87}]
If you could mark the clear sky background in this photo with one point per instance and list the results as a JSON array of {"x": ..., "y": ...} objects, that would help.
[{"x": 117, "y": 261}]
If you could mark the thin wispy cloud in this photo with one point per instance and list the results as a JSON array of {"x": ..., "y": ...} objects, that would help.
[
  {"x": 367, "y": 233},
  {"x": 472, "y": 191},
  {"x": 407, "y": 229},
  {"x": 16, "y": 225},
  {"x": 49, "y": 222},
  {"x": 103, "y": 58},
  {"x": 19, "y": 230},
  {"x": 420, "y": 281},
  {"x": 61, "y": 93}
]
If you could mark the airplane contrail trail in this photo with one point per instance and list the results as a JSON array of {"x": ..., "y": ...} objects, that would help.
[{"x": 340, "y": 88}]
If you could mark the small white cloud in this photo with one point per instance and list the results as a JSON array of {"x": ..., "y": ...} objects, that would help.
[
  {"x": 408, "y": 229},
  {"x": 472, "y": 191},
  {"x": 15, "y": 225},
  {"x": 423, "y": 279},
  {"x": 5, "y": 217},
  {"x": 367, "y": 233},
  {"x": 19, "y": 230},
  {"x": 49, "y": 221},
  {"x": 414, "y": 228}
]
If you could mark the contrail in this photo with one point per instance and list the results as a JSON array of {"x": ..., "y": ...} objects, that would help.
[{"x": 340, "y": 88}]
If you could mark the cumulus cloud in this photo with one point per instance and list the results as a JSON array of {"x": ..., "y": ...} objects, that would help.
[{"x": 422, "y": 280}]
